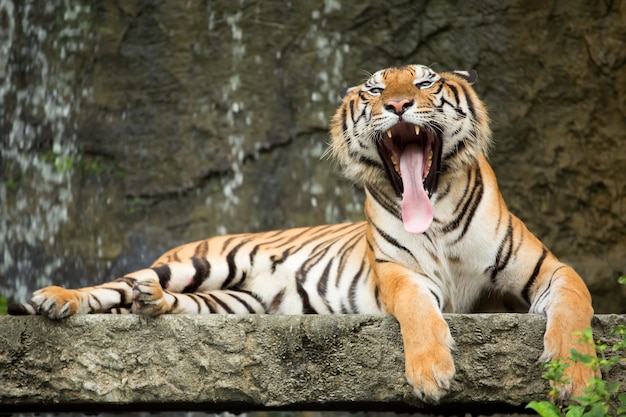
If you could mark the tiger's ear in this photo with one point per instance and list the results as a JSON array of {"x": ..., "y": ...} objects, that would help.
[
  {"x": 344, "y": 91},
  {"x": 470, "y": 76}
]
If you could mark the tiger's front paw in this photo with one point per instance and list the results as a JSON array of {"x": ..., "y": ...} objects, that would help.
[
  {"x": 148, "y": 298},
  {"x": 56, "y": 302},
  {"x": 430, "y": 372},
  {"x": 576, "y": 375}
]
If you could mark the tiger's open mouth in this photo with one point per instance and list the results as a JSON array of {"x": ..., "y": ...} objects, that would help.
[{"x": 412, "y": 158}]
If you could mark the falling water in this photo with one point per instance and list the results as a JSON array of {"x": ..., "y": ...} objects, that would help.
[{"x": 38, "y": 143}]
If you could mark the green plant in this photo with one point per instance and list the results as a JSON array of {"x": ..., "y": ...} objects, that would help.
[
  {"x": 597, "y": 397},
  {"x": 134, "y": 204},
  {"x": 4, "y": 302},
  {"x": 63, "y": 163},
  {"x": 11, "y": 185}
]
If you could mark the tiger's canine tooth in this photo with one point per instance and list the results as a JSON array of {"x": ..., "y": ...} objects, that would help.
[
  {"x": 417, "y": 130},
  {"x": 389, "y": 133}
]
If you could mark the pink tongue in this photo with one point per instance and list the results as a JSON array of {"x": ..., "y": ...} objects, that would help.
[{"x": 417, "y": 213}]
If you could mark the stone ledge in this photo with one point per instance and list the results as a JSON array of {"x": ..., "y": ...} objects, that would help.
[{"x": 242, "y": 363}]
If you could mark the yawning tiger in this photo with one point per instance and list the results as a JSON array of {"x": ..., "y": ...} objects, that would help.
[{"x": 437, "y": 236}]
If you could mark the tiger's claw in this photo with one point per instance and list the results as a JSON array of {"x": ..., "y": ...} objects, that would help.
[
  {"x": 148, "y": 298},
  {"x": 430, "y": 374},
  {"x": 56, "y": 302}
]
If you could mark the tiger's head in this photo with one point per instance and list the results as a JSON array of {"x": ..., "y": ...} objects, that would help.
[{"x": 405, "y": 128}]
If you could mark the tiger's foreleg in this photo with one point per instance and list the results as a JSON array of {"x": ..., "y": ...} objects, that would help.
[
  {"x": 57, "y": 303},
  {"x": 426, "y": 336},
  {"x": 562, "y": 296}
]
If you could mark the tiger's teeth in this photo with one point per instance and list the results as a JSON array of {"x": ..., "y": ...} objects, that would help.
[
  {"x": 389, "y": 133},
  {"x": 394, "y": 160},
  {"x": 417, "y": 130}
]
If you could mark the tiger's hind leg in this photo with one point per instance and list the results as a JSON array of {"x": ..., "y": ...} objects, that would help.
[{"x": 150, "y": 299}]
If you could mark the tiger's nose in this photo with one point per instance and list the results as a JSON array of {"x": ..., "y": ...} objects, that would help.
[{"x": 398, "y": 106}]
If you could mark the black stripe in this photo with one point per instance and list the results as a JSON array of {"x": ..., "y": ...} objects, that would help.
[
  {"x": 307, "y": 308},
  {"x": 455, "y": 93},
  {"x": 91, "y": 296},
  {"x": 301, "y": 276},
  {"x": 208, "y": 302},
  {"x": 477, "y": 198},
  {"x": 344, "y": 125},
  {"x": 123, "y": 302},
  {"x": 433, "y": 256},
  {"x": 202, "y": 249},
  {"x": 369, "y": 162},
  {"x": 322, "y": 284},
  {"x": 533, "y": 276},
  {"x": 468, "y": 209},
  {"x": 377, "y": 296},
  {"x": 460, "y": 146},
  {"x": 470, "y": 105},
  {"x": 466, "y": 191},
  {"x": 444, "y": 101},
  {"x": 222, "y": 304},
  {"x": 505, "y": 250},
  {"x": 391, "y": 240},
  {"x": 276, "y": 301},
  {"x": 547, "y": 290},
  {"x": 390, "y": 206},
  {"x": 345, "y": 251},
  {"x": 130, "y": 281},
  {"x": 243, "y": 303},
  {"x": 438, "y": 301},
  {"x": 353, "y": 287},
  {"x": 194, "y": 298},
  {"x": 203, "y": 269},
  {"x": 351, "y": 111},
  {"x": 232, "y": 267},
  {"x": 164, "y": 273},
  {"x": 313, "y": 233},
  {"x": 314, "y": 259}
]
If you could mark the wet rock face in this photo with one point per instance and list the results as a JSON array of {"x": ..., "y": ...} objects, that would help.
[{"x": 129, "y": 127}]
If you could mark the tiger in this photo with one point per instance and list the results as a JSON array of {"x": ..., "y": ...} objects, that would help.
[{"x": 437, "y": 236}]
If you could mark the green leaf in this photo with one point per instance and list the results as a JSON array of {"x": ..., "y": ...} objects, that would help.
[
  {"x": 597, "y": 410},
  {"x": 575, "y": 411},
  {"x": 622, "y": 280},
  {"x": 581, "y": 357},
  {"x": 613, "y": 387},
  {"x": 544, "y": 408}
]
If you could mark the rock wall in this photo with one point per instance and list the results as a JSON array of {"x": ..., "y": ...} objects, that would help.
[
  {"x": 240, "y": 363},
  {"x": 128, "y": 127}
]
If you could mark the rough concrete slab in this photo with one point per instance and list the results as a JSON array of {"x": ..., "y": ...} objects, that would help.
[{"x": 237, "y": 363}]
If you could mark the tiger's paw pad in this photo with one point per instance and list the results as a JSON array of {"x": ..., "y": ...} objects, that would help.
[
  {"x": 55, "y": 302},
  {"x": 148, "y": 298},
  {"x": 430, "y": 375}
]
